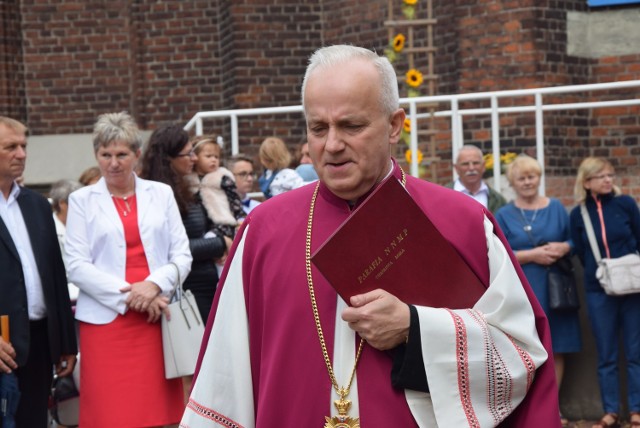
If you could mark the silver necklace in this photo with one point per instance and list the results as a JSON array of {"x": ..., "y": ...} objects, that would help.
[{"x": 528, "y": 225}]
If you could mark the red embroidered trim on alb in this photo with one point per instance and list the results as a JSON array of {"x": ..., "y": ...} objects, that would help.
[
  {"x": 463, "y": 369},
  {"x": 211, "y": 414}
]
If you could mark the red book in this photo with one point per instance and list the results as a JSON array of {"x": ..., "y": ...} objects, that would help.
[{"x": 388, "y": 242}]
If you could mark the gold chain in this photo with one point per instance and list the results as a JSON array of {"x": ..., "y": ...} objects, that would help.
[
  {"x": 314, "y": 306},
  {"x": 126, "y": 210},
  {"x": 342, "y": 392}
]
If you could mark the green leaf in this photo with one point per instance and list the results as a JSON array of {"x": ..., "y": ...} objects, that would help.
[
  {"x": 390, "y": 54},
  {"x": 406, "y": 137},
  {"x": 408, "y": 11}
]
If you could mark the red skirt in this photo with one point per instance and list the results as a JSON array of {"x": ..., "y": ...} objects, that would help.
[{"x": 122, "y": 379}]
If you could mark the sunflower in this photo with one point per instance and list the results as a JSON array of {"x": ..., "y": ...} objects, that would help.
[
  {"x": 488, "y": 161},
  {"x": 407, "y": 124},
  {"x": 505, "y": 159},
  {"x": 508, "y": 157},
  {"x": 414, "y": 78},
  {"x": 410, "y": 2},
  {"x": 398, "y": 42},
  {"x": 407, "y": 156}
]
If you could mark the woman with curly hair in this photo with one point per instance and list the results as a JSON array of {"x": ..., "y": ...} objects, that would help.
[{"x": 169, "y": 158}]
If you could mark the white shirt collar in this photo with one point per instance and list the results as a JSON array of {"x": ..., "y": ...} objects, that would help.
[
  {"x": 457, "y": 185},
  {"x": 13, "y": 194}
]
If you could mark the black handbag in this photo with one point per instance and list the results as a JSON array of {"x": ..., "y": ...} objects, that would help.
[
  {"x": 561, "y": 281},
  {"x": 563, "y": 291}
]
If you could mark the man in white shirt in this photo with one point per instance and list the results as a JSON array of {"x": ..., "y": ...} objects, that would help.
[
  {"x": 33, "y": 286},
  {"x": 470, "y": 169}
]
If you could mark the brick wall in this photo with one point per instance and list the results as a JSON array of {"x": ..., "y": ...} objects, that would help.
[
  {"x": 495, "y": 45},
  {"x": 157, "y": 60},
  {"x": 271, "y": 42},
  {"x": 75, "y": 71},
  {"x": 177, "y": 48},
  {"x": 12, "y": 87},
  {"x": 165, "y": 60}
]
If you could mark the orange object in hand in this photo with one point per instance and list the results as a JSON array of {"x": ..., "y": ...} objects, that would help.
[{"x": 4, "y": 327}]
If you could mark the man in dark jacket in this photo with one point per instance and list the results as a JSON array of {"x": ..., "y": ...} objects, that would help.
[{"x": 33, "y": 286}]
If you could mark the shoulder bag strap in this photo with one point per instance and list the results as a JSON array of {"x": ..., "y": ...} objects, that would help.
[
  {"x": 184, "y": 303},
  {"x": 177, "y": 292},
  {"x": 590, "y": 234}
]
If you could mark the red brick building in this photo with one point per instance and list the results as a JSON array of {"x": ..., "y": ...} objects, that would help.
[{"x": 64, "y": 62}]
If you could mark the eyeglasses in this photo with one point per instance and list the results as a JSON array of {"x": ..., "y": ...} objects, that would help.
[
  {"x": 602, "y": 177},
  {"x": 245, "y": 175},
  {"x": 188, "y": 154}
]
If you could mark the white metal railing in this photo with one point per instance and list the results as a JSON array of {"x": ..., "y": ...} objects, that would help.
[
  {"x": 233, "y": 116},
  {"x": 456, "y": 114}
]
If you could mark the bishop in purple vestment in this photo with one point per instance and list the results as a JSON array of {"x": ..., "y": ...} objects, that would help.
[{"x": 263, "y": 363}]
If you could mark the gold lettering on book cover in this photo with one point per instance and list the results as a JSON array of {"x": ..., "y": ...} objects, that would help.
[
  {"x": 384, "y": 269},
  {"x": 396, "y": 242},
  {"x": 381, "y": 265},
  {"x": 369, "y": 269}
]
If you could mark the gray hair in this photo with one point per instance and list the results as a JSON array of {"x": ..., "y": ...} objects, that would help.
[
  {"x": 331, "y": 56},
  {"x": 112, "y": 127},
  {"x": 469, "y": 147},
  {"x": 60, "y": 191},
  {"x": 14, "y": 125}
]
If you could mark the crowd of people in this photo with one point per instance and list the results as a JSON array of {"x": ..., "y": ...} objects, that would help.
[{"x": 116, "y": 243}]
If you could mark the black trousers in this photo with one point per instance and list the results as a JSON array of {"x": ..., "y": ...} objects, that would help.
[{"x": 34, "y": 380}]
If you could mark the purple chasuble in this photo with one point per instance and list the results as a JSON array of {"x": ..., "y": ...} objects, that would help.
[{"x": 290, "y": 379}]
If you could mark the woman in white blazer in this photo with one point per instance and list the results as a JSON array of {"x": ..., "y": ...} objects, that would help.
[{"x": 125, "y": 245}]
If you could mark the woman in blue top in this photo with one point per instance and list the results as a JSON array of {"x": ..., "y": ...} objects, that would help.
[
  {"x": 616, "y": 223},
  {"x": 537, "y": 228}
]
